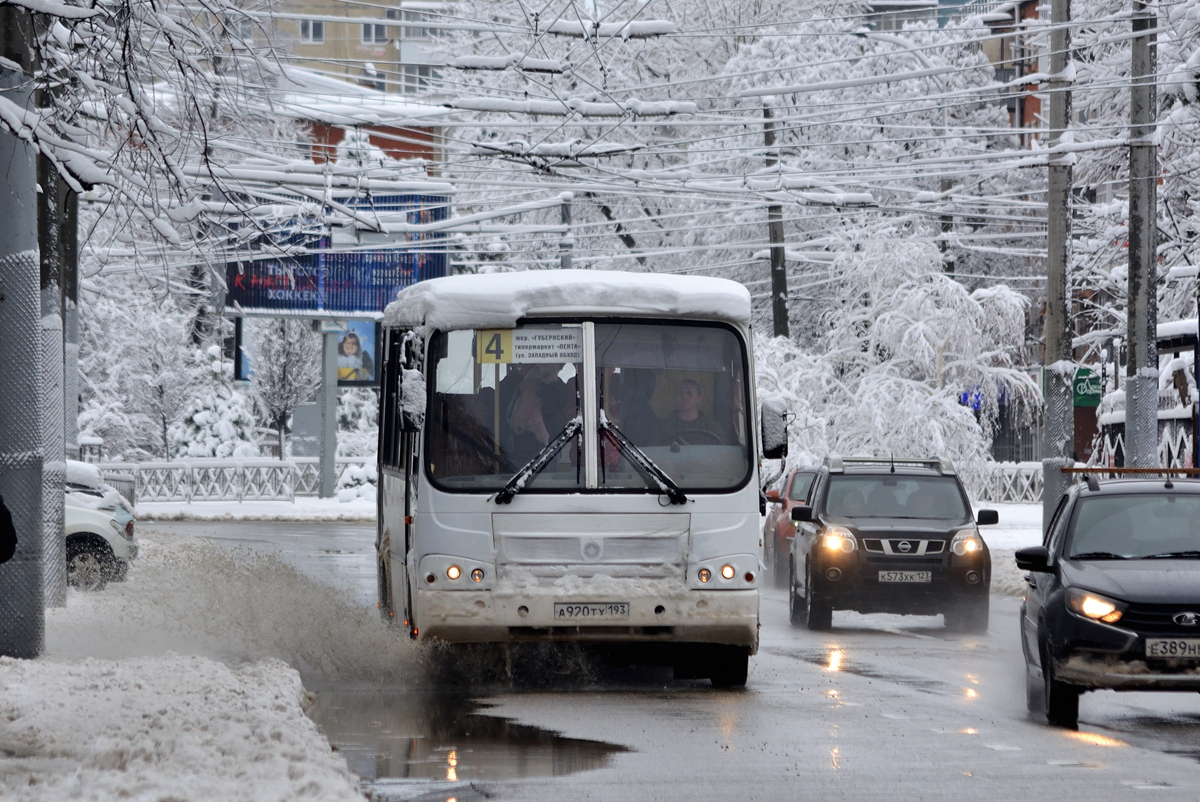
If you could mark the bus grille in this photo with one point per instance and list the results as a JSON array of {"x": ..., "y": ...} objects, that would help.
[{"x": 605, "y": 550}]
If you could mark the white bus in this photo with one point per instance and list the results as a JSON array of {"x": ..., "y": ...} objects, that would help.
[{"x": 571, "y": 455}]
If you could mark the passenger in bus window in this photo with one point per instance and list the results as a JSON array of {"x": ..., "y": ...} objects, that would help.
[
  {"x": 689, "y": 424},
  {"x": 536, "y": 403}
]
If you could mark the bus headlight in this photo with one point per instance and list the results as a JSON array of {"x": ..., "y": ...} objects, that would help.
[
  {"x": 477, "y": 575},
  {"x": 704, "y": 574},
  {"x": 838, "y": 538},
  {"x": 727, "y": 571},
  {"x": 453, "y": 572},
  {"x": 966, "y": 542}
]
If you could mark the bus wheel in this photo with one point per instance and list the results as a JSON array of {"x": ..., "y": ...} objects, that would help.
[{"x": 730, "y": 666}]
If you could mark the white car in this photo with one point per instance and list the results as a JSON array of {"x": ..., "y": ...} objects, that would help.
[{"x": 99, "y": 547}]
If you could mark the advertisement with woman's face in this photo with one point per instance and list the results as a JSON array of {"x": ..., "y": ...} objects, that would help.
[{"x": 356, "y": 353}]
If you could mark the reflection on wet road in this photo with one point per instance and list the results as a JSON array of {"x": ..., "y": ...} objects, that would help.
[{"x": 881, "y": 707}]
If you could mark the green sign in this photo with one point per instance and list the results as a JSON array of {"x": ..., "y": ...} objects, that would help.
[{"x": 1086, "y": 388}]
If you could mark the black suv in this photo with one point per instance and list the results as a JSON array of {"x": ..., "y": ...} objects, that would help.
[
  {"x": 886, "y": 535},
  {"x": 1114, "y": 595}
]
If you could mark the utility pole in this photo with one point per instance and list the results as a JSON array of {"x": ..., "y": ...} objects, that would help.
[
  {"x": 1141, "y": 371},
  {"x": 327, "y": 469},
  {"x": 54, "y": 466},
  {"x": 567, "y": 243},
  {"x": 779, "y": 289},
  {"x": 1059, "y": 425},
  {"x": 22, "y": 598},
  {"x": 69, "y": 242}
]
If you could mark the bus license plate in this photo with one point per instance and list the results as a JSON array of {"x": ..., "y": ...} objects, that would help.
[
  {"x": 905, "y": 576},
  {"x": 591, "y": 610},
  {"x": 1173, "y": 647}
]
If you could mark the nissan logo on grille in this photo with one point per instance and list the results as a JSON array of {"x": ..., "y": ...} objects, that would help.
[
  {"x": 904, "y": 546},
  {"x": 1186, "y": 619}
]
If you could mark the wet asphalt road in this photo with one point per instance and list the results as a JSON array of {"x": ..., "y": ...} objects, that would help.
[{"x": 880, "y": 708}]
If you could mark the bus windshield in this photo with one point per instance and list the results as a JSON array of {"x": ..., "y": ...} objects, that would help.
[{"x": 677, "y": 392}]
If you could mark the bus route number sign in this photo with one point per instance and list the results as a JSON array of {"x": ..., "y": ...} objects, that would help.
[{"x": 507, "y": 346}]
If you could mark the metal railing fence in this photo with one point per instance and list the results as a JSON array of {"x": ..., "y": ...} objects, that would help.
[{"x": 190, "y": 480}]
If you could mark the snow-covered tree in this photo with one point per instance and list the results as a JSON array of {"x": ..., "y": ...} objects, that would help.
[
  {"x": 286, "y": 358},
  {"x": 218, "y": 421}
]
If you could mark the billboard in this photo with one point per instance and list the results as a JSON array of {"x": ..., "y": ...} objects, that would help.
[
  {"x": 358, "y": 353},
  {"x": 327, "y": 282}
]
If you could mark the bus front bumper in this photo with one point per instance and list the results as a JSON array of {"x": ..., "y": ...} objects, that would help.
[{"x": 728, "y": 617}]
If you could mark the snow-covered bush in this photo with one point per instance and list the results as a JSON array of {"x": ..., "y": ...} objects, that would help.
[
  {"x": 358, "y": 422},
  {"x": 218, "y": 423},
  {"x": 357, "y": 481}
]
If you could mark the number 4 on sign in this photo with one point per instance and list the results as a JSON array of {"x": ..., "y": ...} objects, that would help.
[{"x": 493, "y": 346}]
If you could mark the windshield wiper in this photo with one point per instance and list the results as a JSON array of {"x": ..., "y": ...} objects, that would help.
[
  {"x": 540, "y": 460},
  {"x": 638, "y": 457},
  {"x": 1168, "y": 555},
  {"x": 1098, "y": 555}
]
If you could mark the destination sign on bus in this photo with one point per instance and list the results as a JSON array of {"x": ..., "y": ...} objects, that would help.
[{"x": 506, "y": 346}]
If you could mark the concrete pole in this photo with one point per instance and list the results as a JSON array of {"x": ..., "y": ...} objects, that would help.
[
  {"x": 779, "y": 288},
  {"x": 54, "y": 468},
  {"x": 1059, "y": 423},
  {"x": 1141, "y": 371},
  {"x": 22, "y": 584},
  {"x": 567, "y": 243},
  {"x": 329, "y": 404},
  {"x": 69, "y": 242}
]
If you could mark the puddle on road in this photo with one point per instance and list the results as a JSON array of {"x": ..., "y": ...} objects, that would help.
[
  {"x": 441, "y": 738},
  {"x": 842, "y": 663}
]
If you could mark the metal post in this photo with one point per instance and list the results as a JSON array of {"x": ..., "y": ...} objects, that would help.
[
  {"x": 69, "y": 243},
  {"x": 1059, "y": 434},
  {"x": 22, "y": 598},
  {"x": 1141, "y": 372},
  {"x": 567, "y": 243},
  {"x": 329, "y": 402},
  {"x": 54, "y": 467},
  {"x": 779, "y": 288}
]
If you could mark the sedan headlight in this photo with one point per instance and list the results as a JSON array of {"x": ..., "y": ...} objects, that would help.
[
  {"x": 966, "y": 542},
  {"x": 1094, "y": 606},
  {"x": 839, "y": 538}
]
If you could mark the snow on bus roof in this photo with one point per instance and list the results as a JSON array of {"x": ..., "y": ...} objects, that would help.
[{"x": 499, "y": 300}]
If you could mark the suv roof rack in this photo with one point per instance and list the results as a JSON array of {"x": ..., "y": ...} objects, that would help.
[{"x": 837, "y": 463}]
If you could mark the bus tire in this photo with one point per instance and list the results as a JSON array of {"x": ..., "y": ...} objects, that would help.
[{"x": 730, "y": 666}]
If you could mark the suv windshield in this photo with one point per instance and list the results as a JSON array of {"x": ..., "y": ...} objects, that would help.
[
  {"x": 1137, "y": 526},
  {"x": 896, "y": 496}
]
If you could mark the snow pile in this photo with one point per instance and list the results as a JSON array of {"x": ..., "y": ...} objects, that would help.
[
  {"x": 499, "y": 300},
  {"x": 358, "y": 481},
  {"x": 159, "y": 728},
  {"x": 191, "y": 596},
  {"x": 84, "y": 473}
]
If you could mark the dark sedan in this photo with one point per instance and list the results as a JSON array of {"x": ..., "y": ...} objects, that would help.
[{"x": 1114, "y": 595}]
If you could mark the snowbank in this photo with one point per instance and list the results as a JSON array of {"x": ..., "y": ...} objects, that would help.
[
  {"x": 1020, "y": 526},
  {"x": 360, "y": 508},
  {"x": 157, "y": 728}
]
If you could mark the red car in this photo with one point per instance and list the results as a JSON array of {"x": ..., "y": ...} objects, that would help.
[{"x": 778, "y": 529}]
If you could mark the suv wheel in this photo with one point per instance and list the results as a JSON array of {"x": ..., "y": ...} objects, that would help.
[
  {"x": 818, "y": 614},
  {"x": 970, "y": 616},
  {"x": 796, "y": 606},
  {"x": 1062, "y": 700}
]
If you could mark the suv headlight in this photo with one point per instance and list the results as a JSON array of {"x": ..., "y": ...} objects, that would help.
[
  {"x": 966, "y": 542},
  {"x": 1094, "y": 606},
  {"x": 839, "y": 538}
]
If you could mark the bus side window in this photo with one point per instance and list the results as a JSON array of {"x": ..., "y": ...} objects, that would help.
[{"x": 390, "y": 424}]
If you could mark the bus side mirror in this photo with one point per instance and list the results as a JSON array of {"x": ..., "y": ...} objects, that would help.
[
  {"x": 773, "y": 427},
  {"x": 412, "y": 400}
]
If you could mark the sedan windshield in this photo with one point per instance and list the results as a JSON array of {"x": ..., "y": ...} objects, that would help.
[
  {"x": 926, "y": 497},
  {"x": 1135, "y": 527}
]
